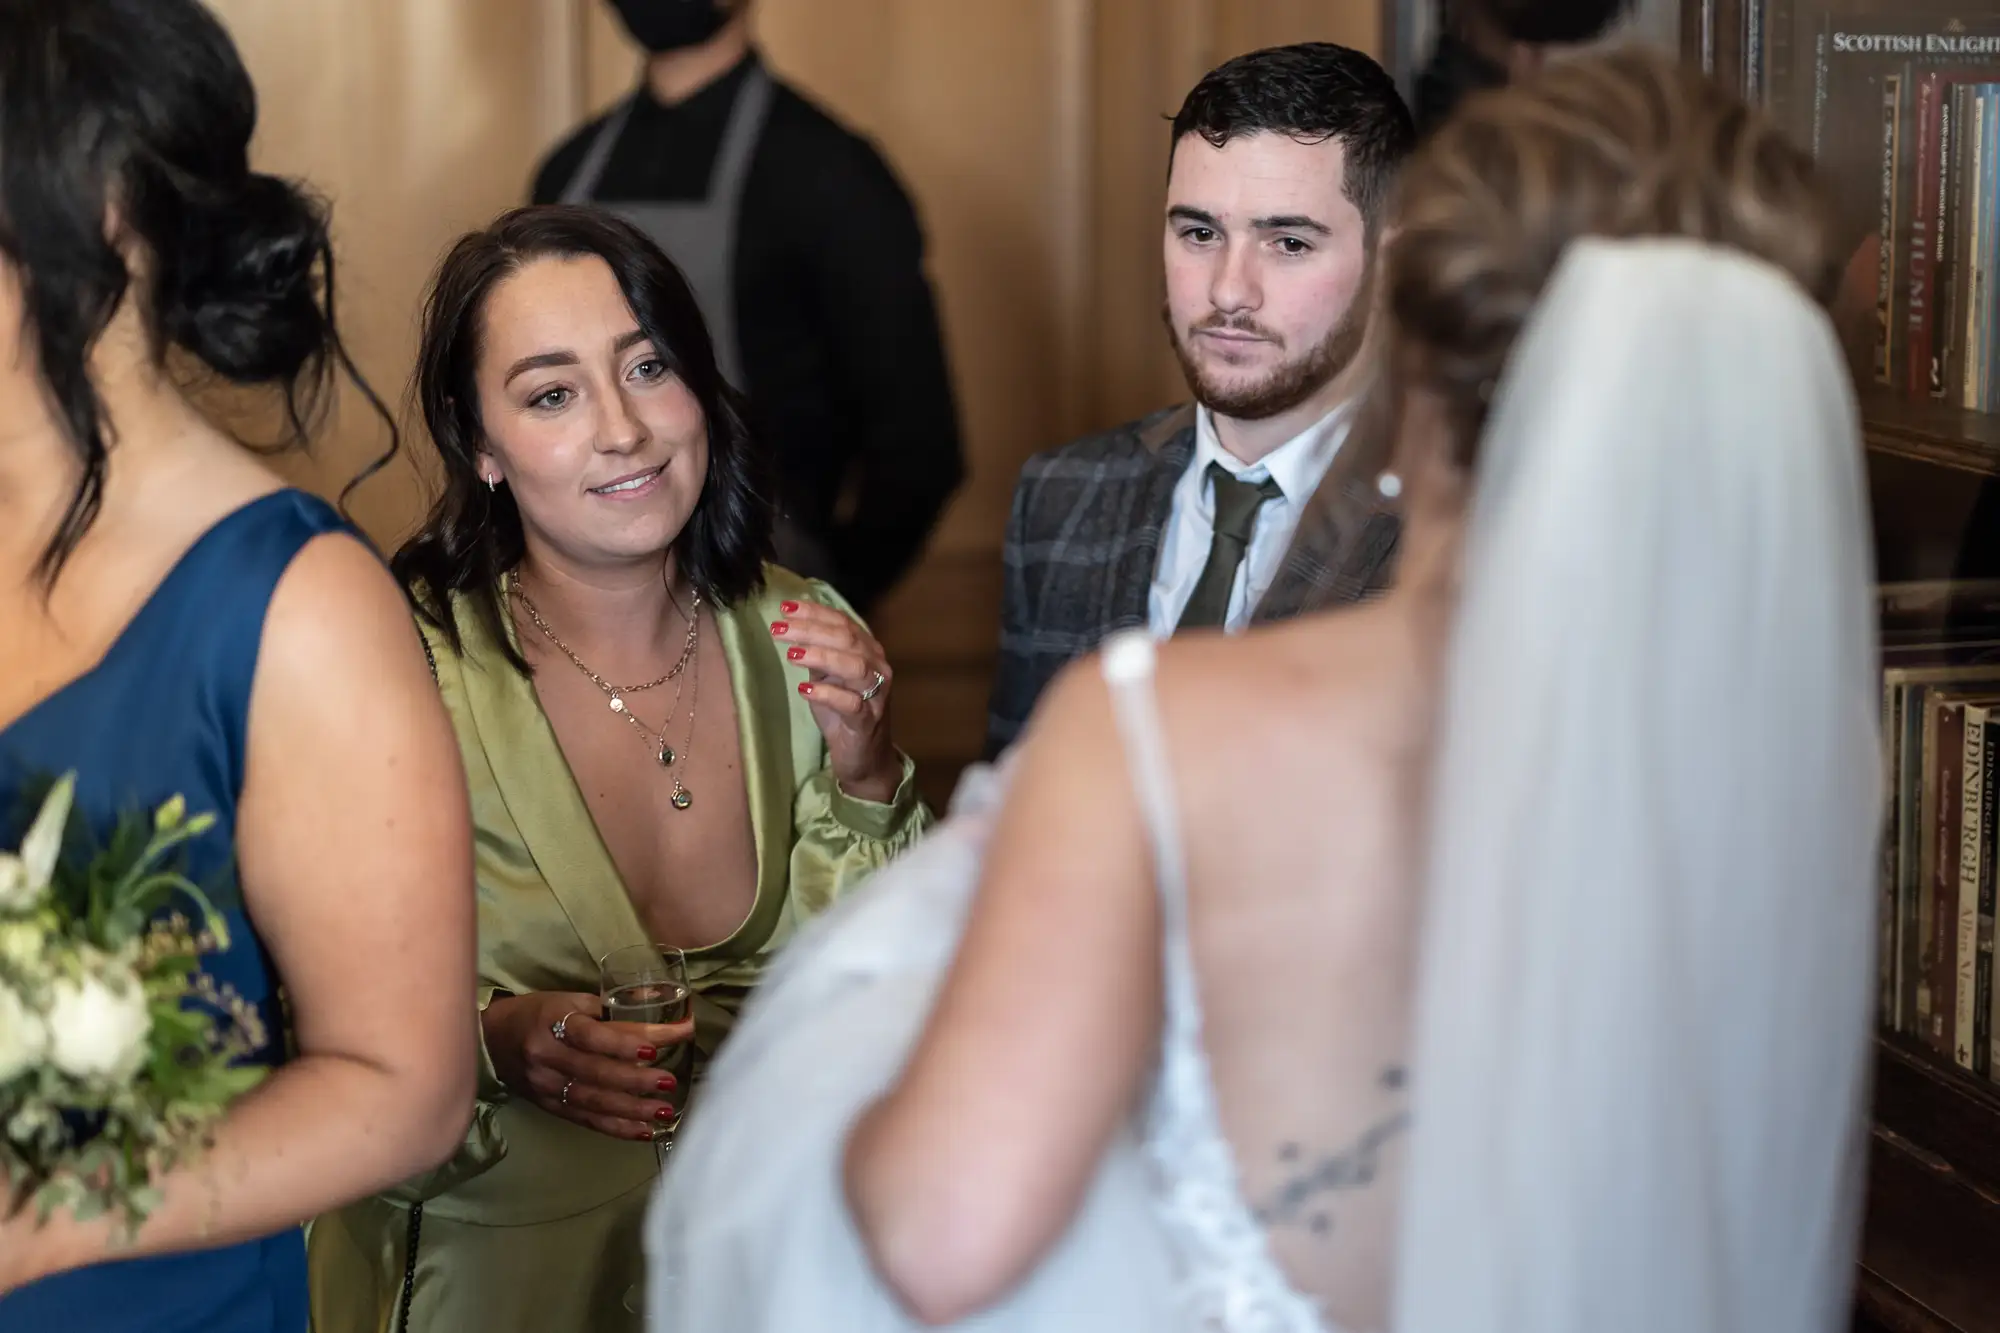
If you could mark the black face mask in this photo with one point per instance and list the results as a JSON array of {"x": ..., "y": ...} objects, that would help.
[{"x": 670, "y": 25}]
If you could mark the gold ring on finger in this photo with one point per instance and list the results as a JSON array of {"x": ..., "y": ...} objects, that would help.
[{"x": 875, "y": 689}]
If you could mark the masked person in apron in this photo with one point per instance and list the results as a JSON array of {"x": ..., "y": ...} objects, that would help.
[{"x": 807, "y": 258}]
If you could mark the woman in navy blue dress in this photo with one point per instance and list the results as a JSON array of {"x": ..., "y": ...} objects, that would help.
[{"x": 174, "y": 621}]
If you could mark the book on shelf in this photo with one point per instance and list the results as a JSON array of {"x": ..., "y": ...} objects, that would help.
[
  {"x": 1974, "y": 983},
  {"x": 1940, "y": 853},
  {"x": 1899, "y": 101}
]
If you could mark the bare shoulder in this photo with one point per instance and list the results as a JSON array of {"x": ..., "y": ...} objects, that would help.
[
  {"x": 337, "y": 610},
  {"x": 1069, "y": 799},
  {"x": 341, "y": 673},
  {"x": 1069, "y": 739},
  {"x": 350, "y": 750},
  {"x": 1349, "y": 669}
]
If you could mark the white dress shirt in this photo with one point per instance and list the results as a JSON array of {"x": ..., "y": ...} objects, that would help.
[{"x": 1297, "y": 466}]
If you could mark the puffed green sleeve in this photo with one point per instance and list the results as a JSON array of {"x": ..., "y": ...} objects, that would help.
[{"x": 842, "y": 839}]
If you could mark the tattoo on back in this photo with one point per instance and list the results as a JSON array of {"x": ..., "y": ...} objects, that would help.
[{"x": 1304, "y": 1199}]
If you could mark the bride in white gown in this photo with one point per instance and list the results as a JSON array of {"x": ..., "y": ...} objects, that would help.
[{"x": 1576, "y": 826}]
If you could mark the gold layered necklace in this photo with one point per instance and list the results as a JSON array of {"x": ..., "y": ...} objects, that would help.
[{"x": 683, "y": 678}]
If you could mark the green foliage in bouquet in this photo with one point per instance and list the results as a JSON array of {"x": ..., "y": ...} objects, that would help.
[{"x": 117, "y": 1053}]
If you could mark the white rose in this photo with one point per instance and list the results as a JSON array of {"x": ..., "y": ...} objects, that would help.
[
  {"x": 98, "y": 1028},
  {"x": 22, "y": 1036}
]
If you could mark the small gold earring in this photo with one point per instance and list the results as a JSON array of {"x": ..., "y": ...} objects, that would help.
[{"x": 492, "y": 485}]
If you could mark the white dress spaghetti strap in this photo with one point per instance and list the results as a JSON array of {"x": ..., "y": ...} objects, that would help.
[{"x": 1227, "y": 1280}]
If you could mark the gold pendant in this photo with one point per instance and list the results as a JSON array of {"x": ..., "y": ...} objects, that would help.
[
  {"x": 617, "y": 704},
  {"x": 666, "y": 756},
  {"x": 682, "y": 798}
]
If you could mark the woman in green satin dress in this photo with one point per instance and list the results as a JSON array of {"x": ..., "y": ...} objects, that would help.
[{"x": 668, "y": 740}]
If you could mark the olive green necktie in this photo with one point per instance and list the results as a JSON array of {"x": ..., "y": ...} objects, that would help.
[{"x": 1236, "y": 506}]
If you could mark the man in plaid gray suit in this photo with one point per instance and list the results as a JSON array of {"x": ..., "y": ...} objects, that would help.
[{"x": 1259, "y": 500}]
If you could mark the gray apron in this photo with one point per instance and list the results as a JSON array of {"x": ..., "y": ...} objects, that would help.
[{"x": 700, "y": 237}]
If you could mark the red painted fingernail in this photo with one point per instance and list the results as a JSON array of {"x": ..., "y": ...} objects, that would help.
[
  {"x": 789, "y": 608},
  {"x": 779, "y": 627},
  {"x": 647, "y": 1053},
  {"x": 645, "y": 1137},
  {"x": 805, "y": 688},
  {"x": 667, "y": 1083},
  {"x": 664, "y": 1113},
  {"x": 796, "y": 654}
]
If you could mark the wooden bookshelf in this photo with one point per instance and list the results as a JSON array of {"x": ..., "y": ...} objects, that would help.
[
  {"x": 1944, "y": 437},
  {"x": 1934, "y": 482},
  {"x": 1930, "y": 1255}
]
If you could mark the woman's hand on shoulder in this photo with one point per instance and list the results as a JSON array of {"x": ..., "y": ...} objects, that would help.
[
  {"x": 355, "y": 841},
  {"x": 599, "y": 1075},
  {"x": 848, "y": 686}
]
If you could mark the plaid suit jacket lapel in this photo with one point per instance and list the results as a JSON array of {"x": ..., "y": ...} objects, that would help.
[
  {"x": 1344, "y": 548},
  {"x": 1170, "y": 441}
]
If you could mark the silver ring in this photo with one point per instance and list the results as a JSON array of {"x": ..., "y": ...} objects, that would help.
[
  {"x": 875, "y": 689},
  {"x": 564, "y": 1099},
  {"x": 560, "y": 1028}
]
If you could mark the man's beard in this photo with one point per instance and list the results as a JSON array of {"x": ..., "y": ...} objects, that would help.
[{"x": 1291, "y": 383}]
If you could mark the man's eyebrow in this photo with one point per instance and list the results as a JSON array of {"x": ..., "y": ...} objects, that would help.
[
  {"x": 1292, "y": 222},
  {"x": 1182, "y": 213}
]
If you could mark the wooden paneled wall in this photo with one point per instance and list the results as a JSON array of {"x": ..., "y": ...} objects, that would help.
[
  {"x": 418, "y": 119},
  {"x": 1032, "y": 135}
]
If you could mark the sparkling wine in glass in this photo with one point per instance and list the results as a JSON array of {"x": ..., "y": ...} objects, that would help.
[
  {"x": 647, "y": 983},
  {"x": 646, "y": 1002}
]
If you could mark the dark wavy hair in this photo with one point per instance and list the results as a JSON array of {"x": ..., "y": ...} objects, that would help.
[
  {"x": 473, "y": 535},
  {"x": 1310, "y": 90},
  {"x": 140, "y": 111}
]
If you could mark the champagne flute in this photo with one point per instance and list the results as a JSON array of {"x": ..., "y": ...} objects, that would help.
[{"x": 647, "y": 983}]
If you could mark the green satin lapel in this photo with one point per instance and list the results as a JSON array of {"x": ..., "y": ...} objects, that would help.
[
  {"x": 546, "y": 806},
  {"x": 764, "y": 728},
  {"x": 543, "y": 800}
]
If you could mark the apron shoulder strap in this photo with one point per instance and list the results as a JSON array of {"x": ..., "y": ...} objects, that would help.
[
  {"x": 740, "y": 137},
  {"x": 582, "y": 187}
]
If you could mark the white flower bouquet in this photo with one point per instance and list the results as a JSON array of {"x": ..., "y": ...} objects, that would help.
[{"x": 117, "y": 1054}]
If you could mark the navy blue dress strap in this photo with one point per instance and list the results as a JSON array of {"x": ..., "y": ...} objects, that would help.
[{"x": 166, "y": 713}]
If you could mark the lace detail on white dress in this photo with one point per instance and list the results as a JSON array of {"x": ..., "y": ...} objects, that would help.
[{"x": 1228, "y": 1281}]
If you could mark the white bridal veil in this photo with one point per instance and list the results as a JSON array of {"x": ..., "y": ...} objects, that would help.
[{"x": 1639, "y": 1079}]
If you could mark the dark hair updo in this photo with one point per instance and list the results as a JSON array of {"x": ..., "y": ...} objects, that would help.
[{"x": 125, "y": 126}]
